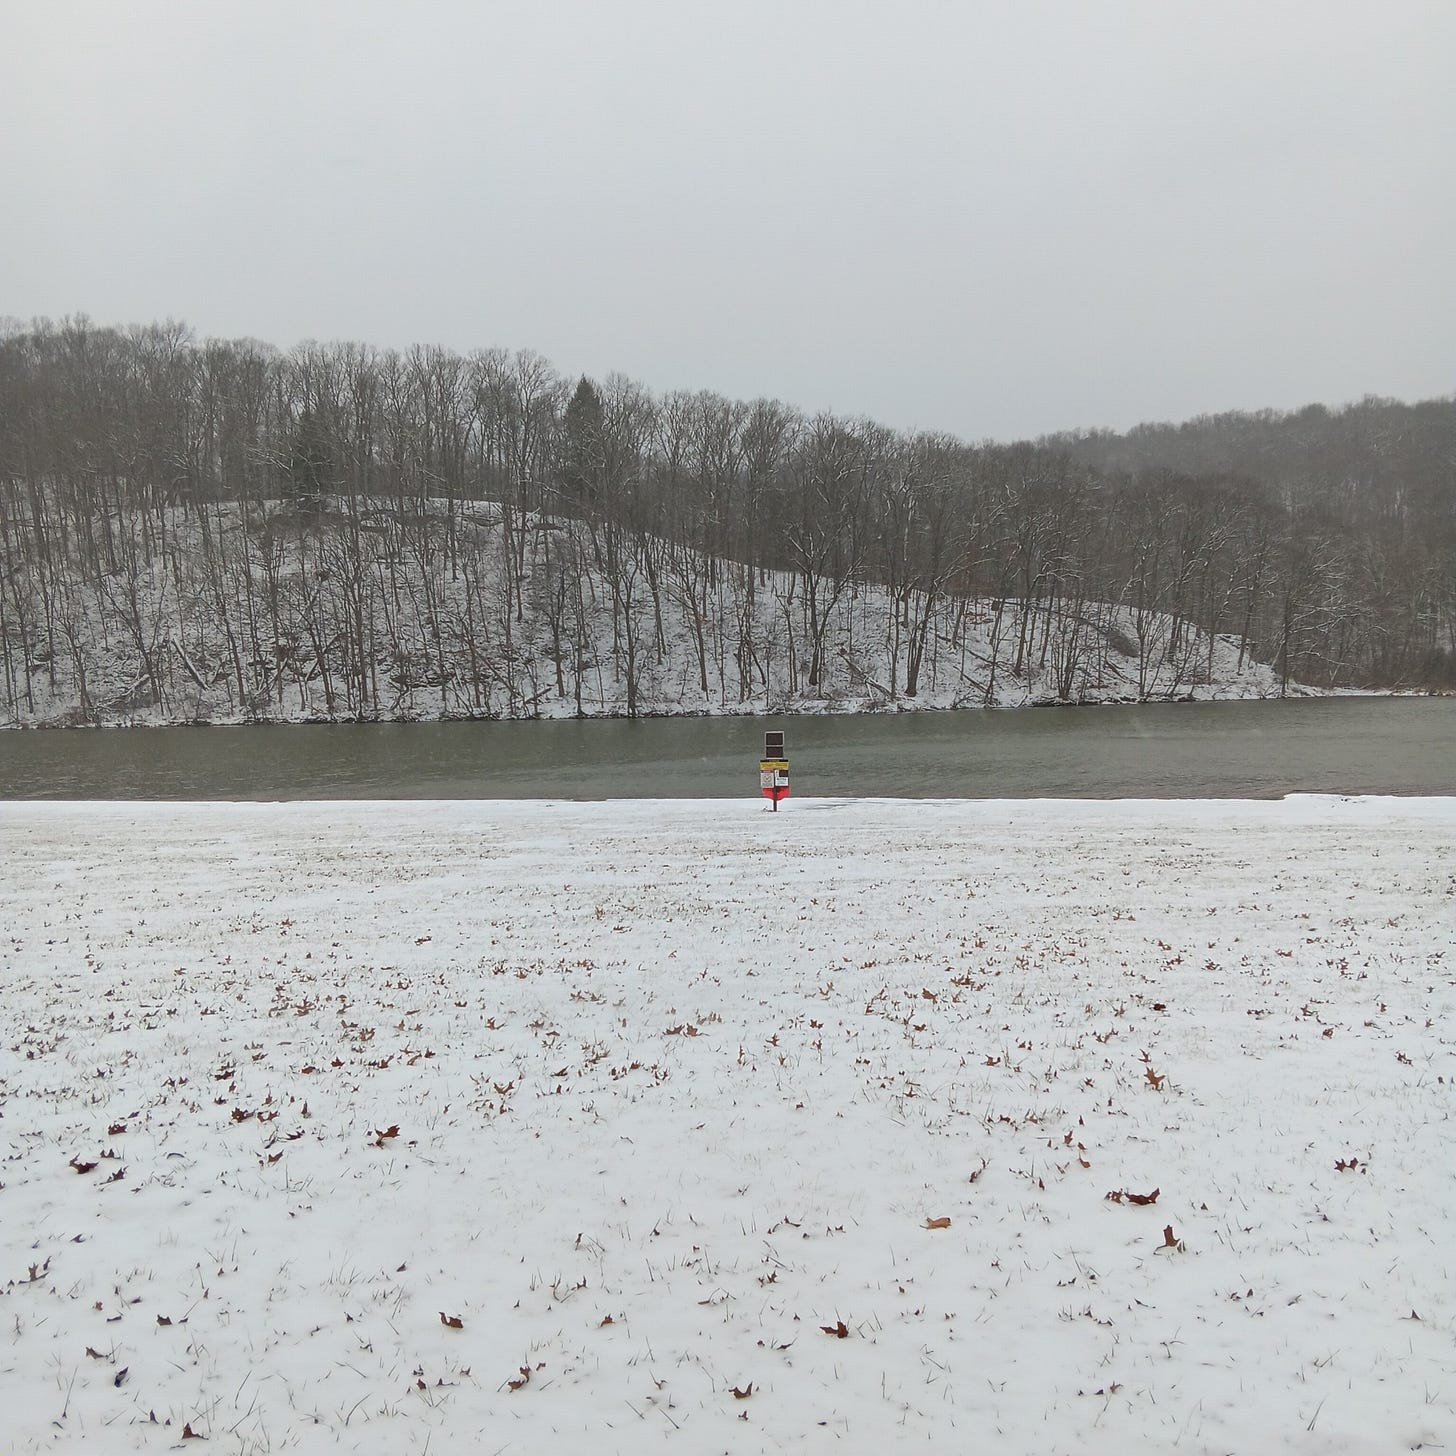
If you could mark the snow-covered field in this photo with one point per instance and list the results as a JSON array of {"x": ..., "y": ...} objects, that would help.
[{"x": 684, "y": 1127}]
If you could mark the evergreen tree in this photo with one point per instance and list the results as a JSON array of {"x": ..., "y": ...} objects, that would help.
[
  {"x": 311, "y": 464},
  {"x": 584, "y": 454}
]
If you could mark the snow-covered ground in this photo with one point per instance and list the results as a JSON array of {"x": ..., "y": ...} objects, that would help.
[
  {"x": 267, "y": 626},
  {"x": 685, "y": 1127}
]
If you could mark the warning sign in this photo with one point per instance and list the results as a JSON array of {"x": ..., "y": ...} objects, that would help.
[{"x": 773, "y": 769}]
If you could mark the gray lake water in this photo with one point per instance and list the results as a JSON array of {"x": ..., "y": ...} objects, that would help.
[{"x": 1175, "y": 750}]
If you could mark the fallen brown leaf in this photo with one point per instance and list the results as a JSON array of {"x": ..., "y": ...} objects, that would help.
[{"x": 1121, "y": 1195}]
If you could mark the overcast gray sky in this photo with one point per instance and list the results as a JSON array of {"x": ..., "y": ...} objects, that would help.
[{"x": 992, "y": 218}]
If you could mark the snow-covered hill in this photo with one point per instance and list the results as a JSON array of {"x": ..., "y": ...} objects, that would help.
[{"x": 467, "y": 609}]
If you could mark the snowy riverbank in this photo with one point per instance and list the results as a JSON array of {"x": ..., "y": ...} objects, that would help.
[
  {"x": 836, "y": 1130},
  {"x": 273, "y": 618}
]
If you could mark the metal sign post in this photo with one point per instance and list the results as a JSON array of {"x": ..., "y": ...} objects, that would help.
[{"x": 773, "y": 770}]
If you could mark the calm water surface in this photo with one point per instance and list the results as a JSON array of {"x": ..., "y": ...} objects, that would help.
[{"x": 1178, "y": 750}]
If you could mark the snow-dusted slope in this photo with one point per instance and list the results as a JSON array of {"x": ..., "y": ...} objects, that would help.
[{"x": 469, "y": 611}]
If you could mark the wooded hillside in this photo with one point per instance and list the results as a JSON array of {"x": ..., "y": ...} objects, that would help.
[{"x": 223, "y": 525}]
